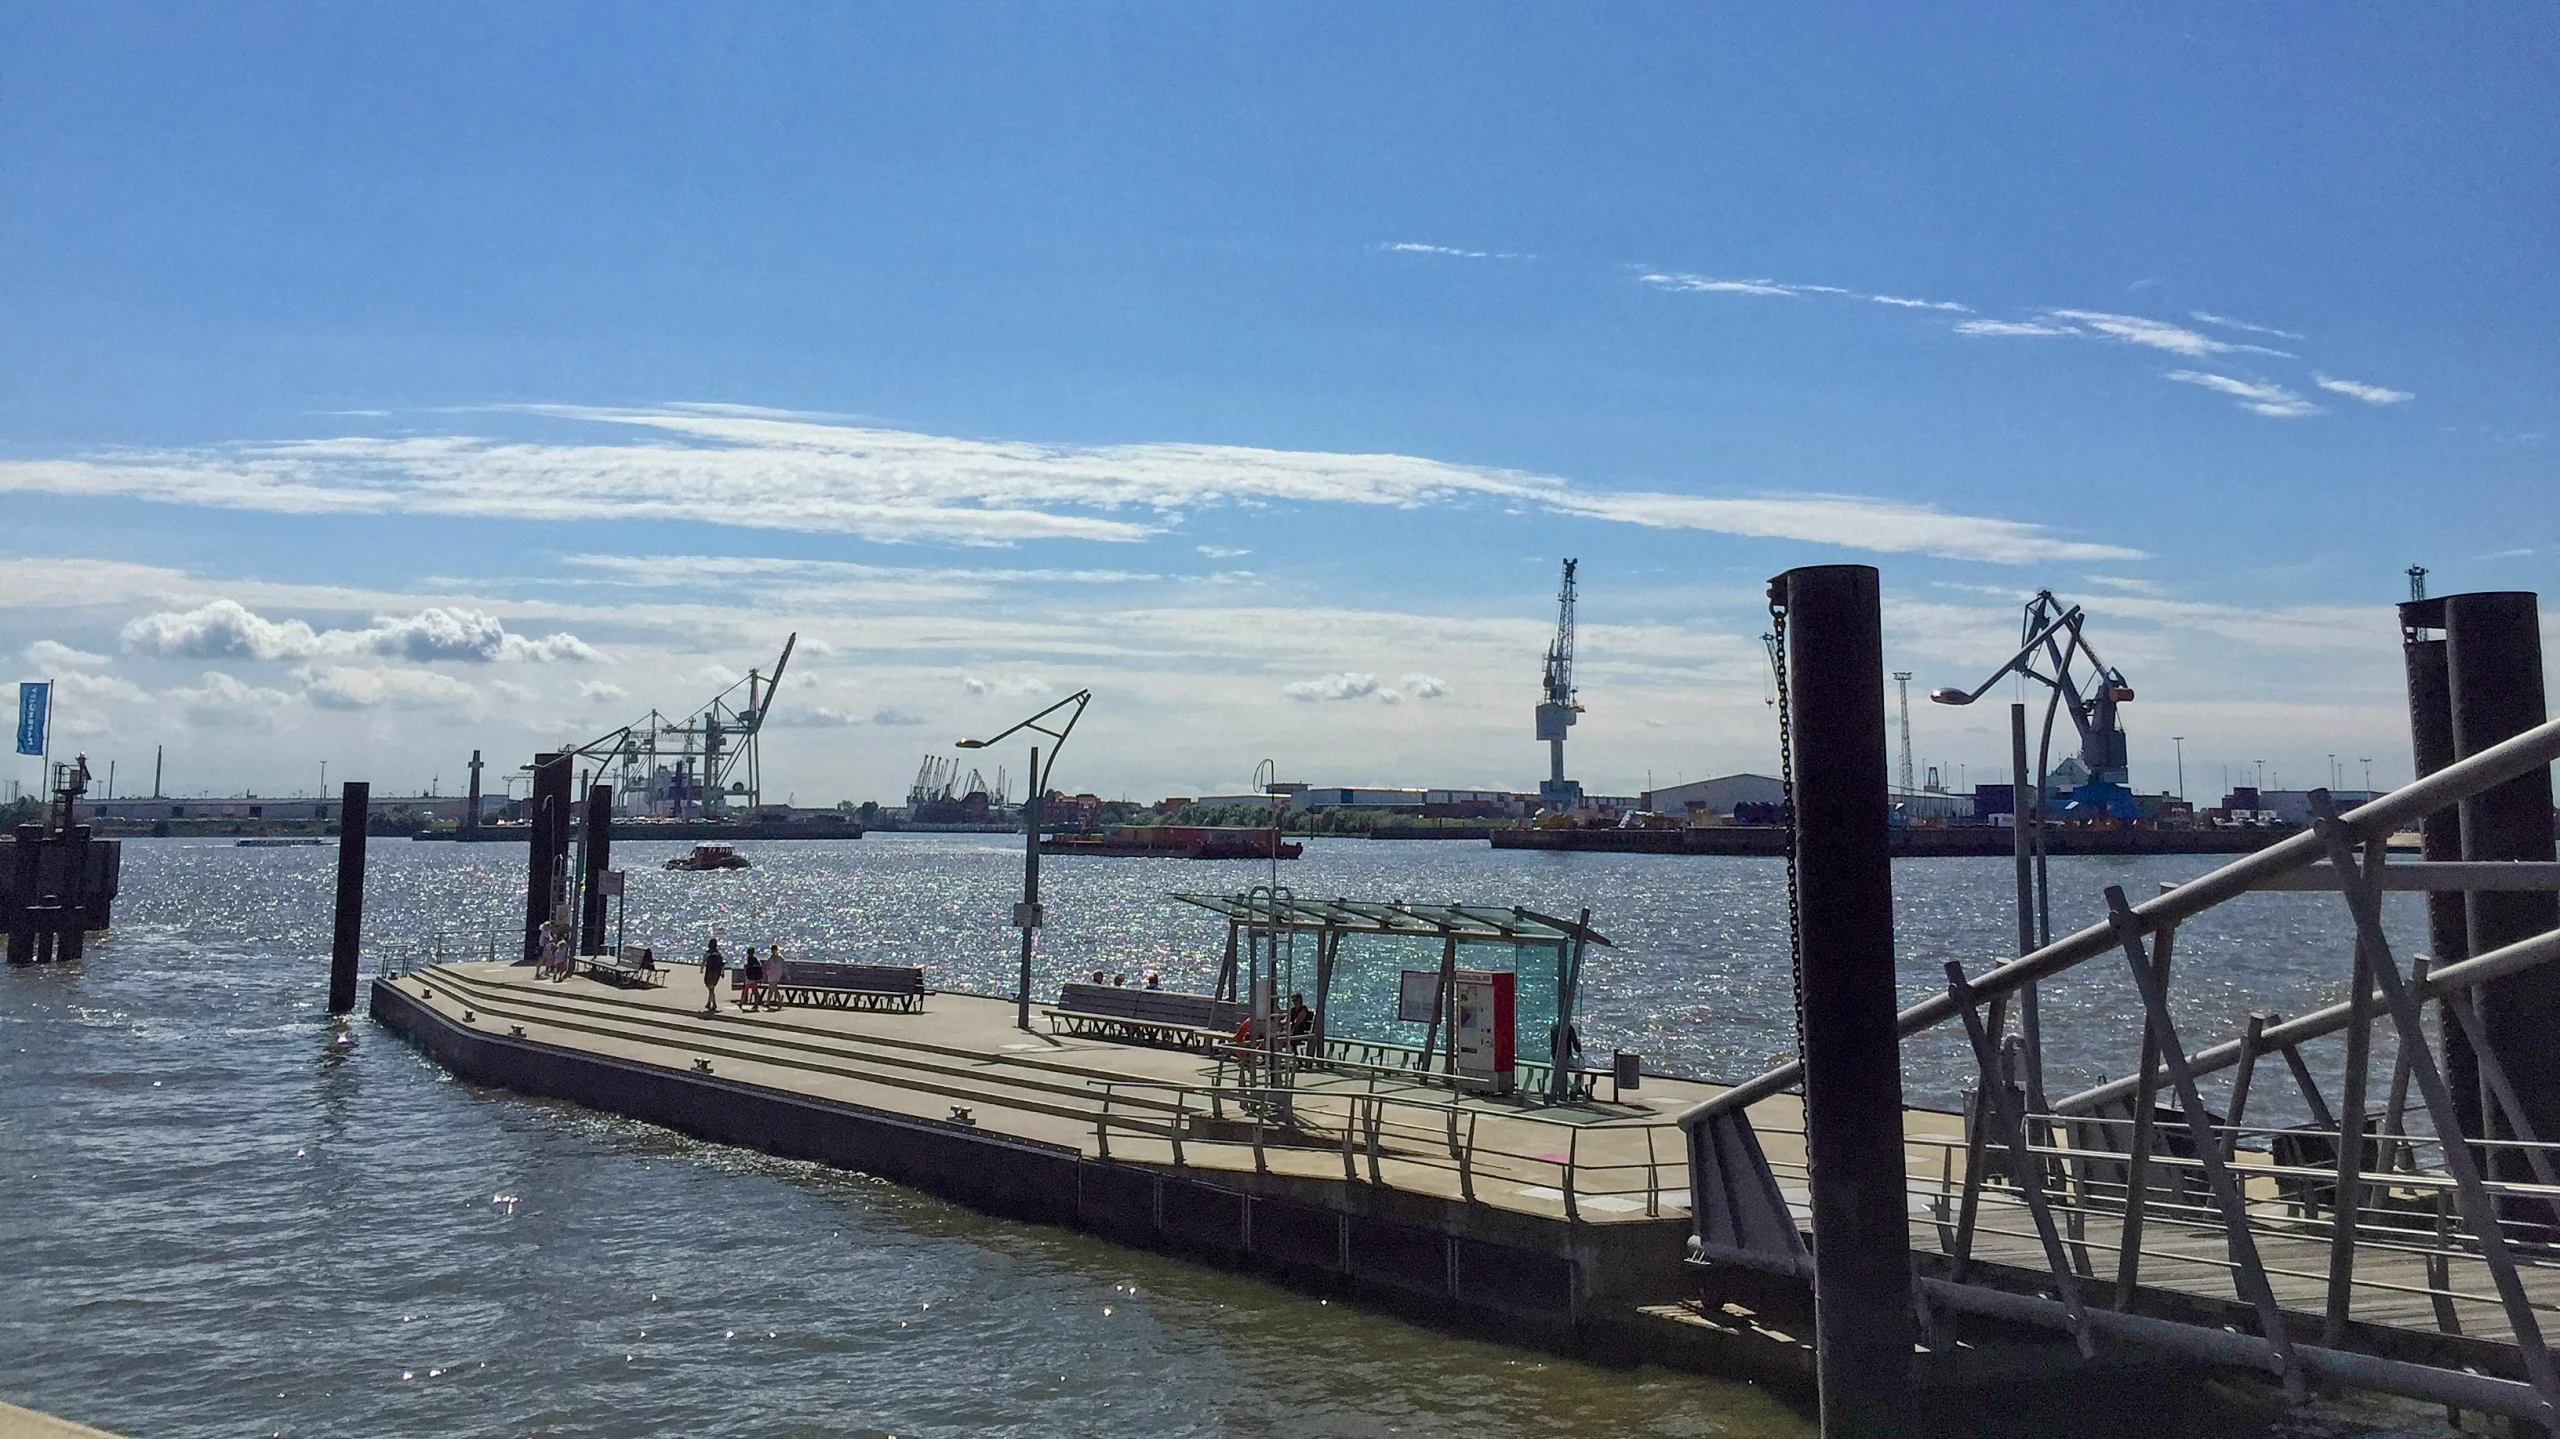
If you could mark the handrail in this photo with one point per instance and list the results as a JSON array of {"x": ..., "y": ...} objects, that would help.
[{"x": 2372, "y": 822}]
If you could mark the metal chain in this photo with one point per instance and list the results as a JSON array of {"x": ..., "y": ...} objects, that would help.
[{"x": 1777, "y": 642}]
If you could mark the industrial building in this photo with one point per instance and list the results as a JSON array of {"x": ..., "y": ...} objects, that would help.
[{"x": 1715, "y": 796}]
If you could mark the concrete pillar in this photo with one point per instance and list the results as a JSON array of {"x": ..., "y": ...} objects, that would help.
[
  {"x": 471, "y": 814},
  {"x": 2493, "y": 667},
  {"x": 547, "y": 819},
  {"x": 599, "y": 858},
  {"x": 354, "y": 805},
  {"x": 2431, "y": 747},
  {"x": 1863, "y": 1317}
]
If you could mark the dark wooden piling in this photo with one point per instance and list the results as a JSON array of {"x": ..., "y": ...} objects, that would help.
[
  {"x": 2493, "y": 667},
  {"x": 354, "y": 804},
  {"x": 2440, "y": 834},
  {"x": 596, "y": 847},
  {"x": 26, "y": 855},
  {"x": 1863, "y": 1316},
  {"x": 548, "y": 813}
]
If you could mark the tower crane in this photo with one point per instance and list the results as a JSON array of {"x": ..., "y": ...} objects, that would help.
[{"x": 1558, "y": 708}]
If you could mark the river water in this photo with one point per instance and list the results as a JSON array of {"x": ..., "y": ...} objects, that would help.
[{"x": 220, "y": 1213}]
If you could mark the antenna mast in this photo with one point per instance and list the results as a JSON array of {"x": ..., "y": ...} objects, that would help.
[{"x": 1557, "y": 707}]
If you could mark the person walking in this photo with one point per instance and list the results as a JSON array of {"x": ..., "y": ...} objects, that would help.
[{"x": 713, "y": 966}]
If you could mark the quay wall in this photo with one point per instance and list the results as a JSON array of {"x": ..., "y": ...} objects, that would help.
[
  {"x": 1904, "y": 843},
  {"x": 1523, "y": 1278}
]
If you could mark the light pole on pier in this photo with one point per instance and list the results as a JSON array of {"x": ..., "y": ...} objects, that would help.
[
  {"x": 2181, "y": 742},
  {"x": 1026, "y": 915}
]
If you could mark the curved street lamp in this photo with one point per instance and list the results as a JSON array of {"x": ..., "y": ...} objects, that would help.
[{"x": 1026, "y": 915}]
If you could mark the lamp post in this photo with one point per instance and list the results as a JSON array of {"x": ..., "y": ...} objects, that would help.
[
  {"x": 2181, "y": 742},
  {"x": 1026, "y": 915}
]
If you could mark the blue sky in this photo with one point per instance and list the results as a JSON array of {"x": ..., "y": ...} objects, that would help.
[{"x": 1221, "y": 359}]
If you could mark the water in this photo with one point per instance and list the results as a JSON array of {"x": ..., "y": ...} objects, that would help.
[{"x": 222, "y": 1214}]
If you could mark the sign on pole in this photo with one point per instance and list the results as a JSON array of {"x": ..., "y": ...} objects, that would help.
[{"x": 35, "y": 699}]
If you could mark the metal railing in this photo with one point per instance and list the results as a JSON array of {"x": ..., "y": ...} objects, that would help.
[
  {"x": 2322, "y": 1237},
  {"x": 1476, "y": 1151}
]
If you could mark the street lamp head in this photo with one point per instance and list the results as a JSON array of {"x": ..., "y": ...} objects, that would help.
[
  {"x": 972, "y": 744},
  {"x": 1949, "y": 696}
]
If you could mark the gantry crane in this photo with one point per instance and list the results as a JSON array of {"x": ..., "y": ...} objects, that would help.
[
  {"x": 695, "y": 767},
  {"x": 2051, "y": 644},
  {"x": 1558, "y": 709}
]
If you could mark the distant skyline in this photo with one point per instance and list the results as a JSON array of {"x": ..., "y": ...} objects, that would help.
[{"x": 376, "y": 386}]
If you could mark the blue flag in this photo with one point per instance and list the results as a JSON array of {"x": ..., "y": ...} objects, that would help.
[{"x": 35, "y": 698}]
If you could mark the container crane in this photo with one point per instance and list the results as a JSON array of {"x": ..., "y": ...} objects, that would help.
[
  {"x": 1558, "y": 708},
  {"x": 2052, "y": 644}
]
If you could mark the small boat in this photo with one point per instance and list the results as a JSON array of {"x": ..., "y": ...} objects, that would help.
[{"x": 709, "y": 856}]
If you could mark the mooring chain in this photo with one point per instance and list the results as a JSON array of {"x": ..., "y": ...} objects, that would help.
[{"x": 1777, "y": 640}]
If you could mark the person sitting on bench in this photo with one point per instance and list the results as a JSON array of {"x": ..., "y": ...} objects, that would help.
[{"x": 1302, "y": 1023}]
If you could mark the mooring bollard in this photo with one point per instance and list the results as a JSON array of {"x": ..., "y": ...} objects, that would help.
[
  {"x": 2440, "y": 834},
  {"x": 353, "y": 803},
  {"x": 1863, "y": 1318}
]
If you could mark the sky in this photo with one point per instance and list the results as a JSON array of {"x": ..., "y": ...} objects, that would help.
[{"x": 379, "y": 383}]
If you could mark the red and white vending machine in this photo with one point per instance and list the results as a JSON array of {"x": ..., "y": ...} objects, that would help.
[{"x": 1480, "y": 1022}]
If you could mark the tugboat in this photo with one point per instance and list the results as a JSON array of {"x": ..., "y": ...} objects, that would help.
[{"x": 709, "y": 856}]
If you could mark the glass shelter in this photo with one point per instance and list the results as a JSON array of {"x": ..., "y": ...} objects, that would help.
[{"x": 1407, "y": 985}]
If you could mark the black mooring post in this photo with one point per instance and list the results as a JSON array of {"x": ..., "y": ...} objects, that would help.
[
  {"x": 599, "y": 853},
  {"x": 26, "y": 858},
  {"x": 547, "y": 820},
  {"x": 2493, "y": 668},
  {"x": 348, "y": 935},
  {"x": 2440, "y": 834},
  {"x": 1863, "y": 1318}
]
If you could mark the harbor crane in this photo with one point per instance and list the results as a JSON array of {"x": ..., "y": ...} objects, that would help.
[
  {"x": 1558, "y": 709},
  {"x": 696, "y": 766},
  {"x": 2051, "y": 646}
]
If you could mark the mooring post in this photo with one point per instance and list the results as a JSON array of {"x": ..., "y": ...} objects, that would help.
[
  {"x": 2493, "y": 667},
  {"x": 599, "y": 858},
  {"x": 26, "y": 855},
  {"x": 2440, "y": 834},
  {"x": 547, "y": 823},
  {"x": 471, "y": 810},
  {"x": 1863, "y": 1318},
  {"x": 347, "y": 937}
]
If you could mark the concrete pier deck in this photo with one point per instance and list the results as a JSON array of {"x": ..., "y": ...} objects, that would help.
[{"x": 1562, "y": 1226}]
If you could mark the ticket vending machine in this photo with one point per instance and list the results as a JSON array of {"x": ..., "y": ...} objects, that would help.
[{"x": 1480, "y": 1024}]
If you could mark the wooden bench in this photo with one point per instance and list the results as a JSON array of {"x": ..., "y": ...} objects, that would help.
[
  {"x": 848, "y": 986},
  {"x": 1146, "y": 1016},
  {"x": 630, "y": 967}
]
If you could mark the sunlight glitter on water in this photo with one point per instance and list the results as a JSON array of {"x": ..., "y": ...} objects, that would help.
[{"x": 518, "y": 1241}]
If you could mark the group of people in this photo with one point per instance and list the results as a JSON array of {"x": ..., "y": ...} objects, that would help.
[
  {"x": 759, "y": 982},
  {"x": 1297, "y": 1028},
  {"x": 1152, "y": 979}
]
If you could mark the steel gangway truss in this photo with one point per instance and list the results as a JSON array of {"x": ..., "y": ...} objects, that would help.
[{"x": 2137, "y": 1213}]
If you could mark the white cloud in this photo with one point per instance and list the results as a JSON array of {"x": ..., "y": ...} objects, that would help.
[
  {"x": 1884, "y": 525},
  {"x": 224, "y": 702},
  {"x": 1416, "y": 247},
  {"x": 1909, "y": 304},
  {"x": 2263, "y": 399},
  {"x": 1704, "y": 285},
  {"x": 351, "y": 687},
  {"x": 2157, "y": 334},
  {"x": 889, "y": 715},
  {"x": 1425, "y": 687},
  {"x": 48, "y": 655},
  {"x": 2357, "y": 389},
  {"x": 227, "y": 629},
  {"x": 599, "y": 692},
  {"x": 2228, "y": 323},
  {"x": 80, "y": 685},
  {"x": 1004, "y": 685},
  {"x": 2005, "y": 329},
  {"x": 1347, "y": 685},
  {"x": 1222, "y": 552},
  {"x": 758, "y": 469}
]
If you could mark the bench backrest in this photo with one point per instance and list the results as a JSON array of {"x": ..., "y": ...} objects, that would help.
[
  {"x": 870, "y": 978},
  {"x": 1152, "y": 1006}
]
